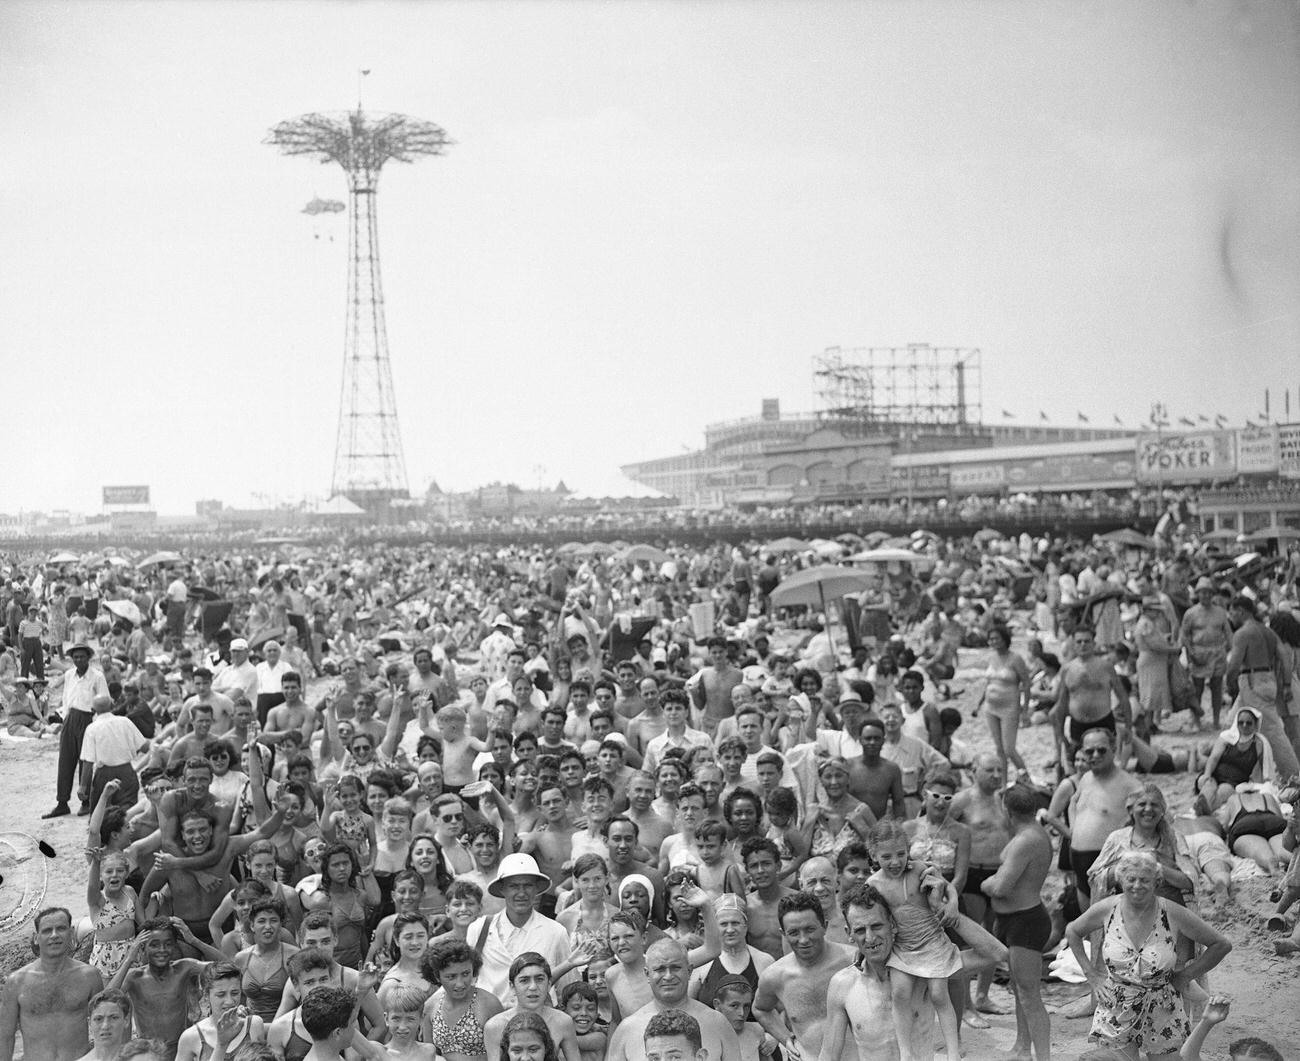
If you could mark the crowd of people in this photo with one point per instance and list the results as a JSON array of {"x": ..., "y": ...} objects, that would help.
[{"x": 433, "y": 802}]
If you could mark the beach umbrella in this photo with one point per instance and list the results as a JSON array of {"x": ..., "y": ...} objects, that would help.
[
  {"x": 876, "y": 537},
  {"x": 64, "y": 558},
  {"x": 987, "y": 534},
  {"x": 124, "y": 609},
  {"x": 164, "y": 557},
  {"x": 1287, "y": 534},
  {"x": 573, "y": 547},
  {"x": 785, "y": 545},
  {"x": 884, "y": 556},
  {"x": 1129, "y": 538},
  {"x": 920, "y": 534},
  {"x": 817, "y": 585},
  {"x": 644, "y": 554},
  {"x": 825, "y": 547},
  {"x": 602, "y": 549},
  {"x": 849, "y": 538},
  {"x": 1223, "y": 534}
]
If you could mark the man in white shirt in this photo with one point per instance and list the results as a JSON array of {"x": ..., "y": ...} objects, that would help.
[
  {"x": 178, "y": 604},
  {"x": 501, "y": 938},
  {"x": 239, "y": 674},
  {"x": 676, "y": 710},
  {"x": 109, "y": 746},
  {"x": 269, "y": 673},
  {"x": 81, "y": 686}
]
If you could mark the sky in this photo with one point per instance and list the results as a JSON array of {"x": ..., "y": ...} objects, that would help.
[{"x": 654, "y": 216}]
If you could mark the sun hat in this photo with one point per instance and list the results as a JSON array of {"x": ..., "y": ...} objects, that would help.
[{"x": 517, "y": 865}]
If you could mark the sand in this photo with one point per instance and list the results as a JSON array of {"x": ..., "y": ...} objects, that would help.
[{"x": 1264, "y": 989}]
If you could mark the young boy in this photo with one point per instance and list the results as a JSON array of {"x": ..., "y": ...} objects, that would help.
[
  {"x": 580, "y": 1001},
  {"x": 594, "y": 974},
  {"x": 718, "y": 872},
  {"x": 459, "y": 749},
  {"x": 733, "y": 998},
  {"x": 308, "y": 970},
  {"x": 403, "y": 1006}
]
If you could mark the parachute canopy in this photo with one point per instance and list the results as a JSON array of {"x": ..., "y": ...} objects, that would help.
[{"x": 324, "y": 206}]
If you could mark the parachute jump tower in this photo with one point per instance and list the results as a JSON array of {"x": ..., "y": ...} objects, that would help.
[{"x": 369, "y": 468}]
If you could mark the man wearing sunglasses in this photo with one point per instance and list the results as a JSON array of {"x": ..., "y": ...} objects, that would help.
[{"x": 1099, "y": 806}]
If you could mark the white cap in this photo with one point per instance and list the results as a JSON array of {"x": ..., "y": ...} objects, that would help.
[{"x": 239, "y": 645}]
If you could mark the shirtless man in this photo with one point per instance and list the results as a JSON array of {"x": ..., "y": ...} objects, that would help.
[
  {"x": 551, "y": 841},
  {"x": 193, "y": 899},
  {"x": 860, "y": 1002},
  {"x": 1099, "y": 806},
  {"x": 762, "y": 862},
  {"x": 979, "y": 808},
  {"x": 316, "y": 936},
  {"x": 654, "y": 829},
  {"x": 875, "y": 780},
  {"x": 1088, "y": 683},
  {"x": 222, "y": 706},
  {"x": 194, "y": 794},
  {"x": 621, "y": 837},
  {"x": 790, "y": 1002},
  {"x": 46, "y": 1000},
  {"x": 819, "y": 878},
  {"x": 191, "y": 745},
  {"x": 1023, "y": 924},
  {"x": 160, "y": 990},
  {"x": 290, "y": 716},
  {"x": 713, "y": 694}
]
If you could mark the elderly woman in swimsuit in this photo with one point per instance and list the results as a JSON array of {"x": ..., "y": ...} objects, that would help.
[{"x": 1136, "y": 976}]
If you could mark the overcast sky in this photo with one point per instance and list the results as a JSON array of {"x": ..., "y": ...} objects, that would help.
[{"x": 654, "y": 215}]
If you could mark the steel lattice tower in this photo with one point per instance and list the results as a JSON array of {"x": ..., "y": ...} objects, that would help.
[{"x": 369, "y": 467}]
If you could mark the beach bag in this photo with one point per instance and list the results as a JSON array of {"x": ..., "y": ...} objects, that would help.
[{"x": 1181, "y": 693}]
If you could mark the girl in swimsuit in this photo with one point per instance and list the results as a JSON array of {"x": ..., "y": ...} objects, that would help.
[
  {"x": 923, "y": 957},
  {"x": 221, "y": 984},
  {"x": 264, "y": 964},
  {"x": 347, "y": 894},
  {"x": 116, "y": 910},
  {"x": 1006, "y": 697},
  {"x": 349, "y": 824},
  {"x": 410, "y": 941},
  {"x": 589, "y": 917},
  {"x": 455, "y": 1016}
]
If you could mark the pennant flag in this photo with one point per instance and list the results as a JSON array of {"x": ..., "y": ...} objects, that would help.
[
  {"x": 1186, "y": 422},
  {"x": 1250, "y": 423},
  {"x": 1042, "y": 416},
  {"x": 1220, "y": 419},
  {"x": 1118, "y": 420},
  {"x": 365, "y": 73},
  {"x": 1202, "y": 418},
  {"x": 1083, "y": 419},
  {"x": 1008, "y": 416}
]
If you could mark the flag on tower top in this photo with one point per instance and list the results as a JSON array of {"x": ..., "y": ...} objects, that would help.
[
  {"x": 1008, "y": 416},
  {"x": 1083, "y": 419},
  {"x": 1042, "y": 416},
  {"x": 1118, "y": 420},
  {"x": 1186, "y": 422}
]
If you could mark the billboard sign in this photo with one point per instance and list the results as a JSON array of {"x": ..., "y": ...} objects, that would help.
[
  {"x": 930, "y": 479},
  {"x": 1288, "y": 450},
  {"x": 1257, "y": 450},
  {"x": 1189, "y": 456},
  {"x": 986, "y": 476},
  {"x": 126, "y": 495}
]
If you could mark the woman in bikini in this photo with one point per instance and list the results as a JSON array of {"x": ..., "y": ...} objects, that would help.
[{"x": 455, "y": 1016}]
